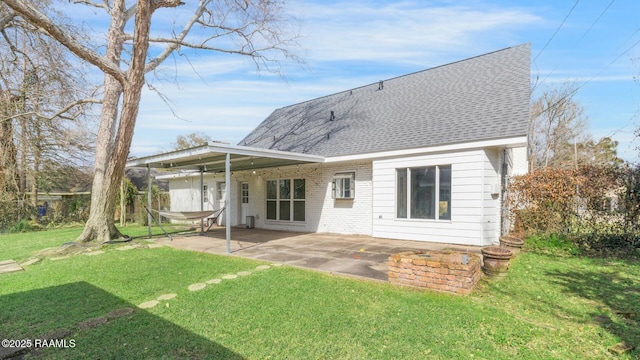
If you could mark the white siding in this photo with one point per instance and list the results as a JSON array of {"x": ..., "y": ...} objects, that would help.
[
  {"x": 492, "y": 164},
  {"x": 517, "y": 164},
  {"x": 475, "y": 196},
  {"x": 520, "y": 162},
  {"x": 467, "y": 199},
  {"x": 184, "y": 194}
]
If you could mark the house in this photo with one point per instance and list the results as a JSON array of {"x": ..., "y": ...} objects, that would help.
[{"x": 423, "y": 156}]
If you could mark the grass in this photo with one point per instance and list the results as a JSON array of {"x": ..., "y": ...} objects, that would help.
[
  {"x": 20, "y": 246},
  {"x": 547, "y": 308}
]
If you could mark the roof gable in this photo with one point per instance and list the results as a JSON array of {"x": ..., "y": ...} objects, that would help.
[{"x": 481, "y": 98}]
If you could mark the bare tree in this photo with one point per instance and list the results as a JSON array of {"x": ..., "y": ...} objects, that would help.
[
  {"x": 9, "y": 179},
  {"x": 42, "y": 122},
  {"x": 253, "y": 28},
  {"x": 557, "y": 125}
]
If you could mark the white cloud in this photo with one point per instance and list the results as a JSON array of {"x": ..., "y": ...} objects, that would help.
[
  {"x": 224, "y": 97},
  {"x": 406, "y": 31},
  {"x": 352, "y": 43}
]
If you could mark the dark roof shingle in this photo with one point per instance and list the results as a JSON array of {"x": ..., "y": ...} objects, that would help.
[{"x": 481, "y": 98}]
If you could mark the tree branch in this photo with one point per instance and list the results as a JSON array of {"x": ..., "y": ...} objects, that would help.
[
  {"x": 172, "y": 46},
  {"x": 40, "y": 20},
  {"x": 4, "y": 21},
  {"x": 103, "y": 6},
  {"x": 59, "y": 113},
  {"x": 157, "y": 4}
]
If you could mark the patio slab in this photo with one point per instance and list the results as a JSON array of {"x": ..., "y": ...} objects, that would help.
[
  {"x": 351, "y": 255},
  {"x": 7, "y": 266}
]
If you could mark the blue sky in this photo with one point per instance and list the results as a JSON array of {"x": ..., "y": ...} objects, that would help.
[{"x": 346, "y": 44}]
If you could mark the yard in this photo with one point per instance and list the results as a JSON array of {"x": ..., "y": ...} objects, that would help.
[{"x": 547, "y": 307}]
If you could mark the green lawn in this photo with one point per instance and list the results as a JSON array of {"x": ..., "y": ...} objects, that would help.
[
  {"x": 21, "y": 246},
  {"x": 547, "y": 308}
]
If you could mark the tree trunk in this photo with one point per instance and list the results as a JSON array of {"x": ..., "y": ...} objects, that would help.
[
  {"x": 22, "y": 172},
  {"x": 36, "y": 144},
  {"x": 100, "y": 224},
  {"x": 9, "y": 178},
  {"x": 116, "y": 127},
  {"x": 112, "y": 151},
  {"x": 123, "y": 207}
]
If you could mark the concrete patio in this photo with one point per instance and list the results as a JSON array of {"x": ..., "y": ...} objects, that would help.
[{"x": 351, "y": 255}]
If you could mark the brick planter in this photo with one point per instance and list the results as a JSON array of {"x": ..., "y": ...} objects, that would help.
[{"x": 435, "y": 270}]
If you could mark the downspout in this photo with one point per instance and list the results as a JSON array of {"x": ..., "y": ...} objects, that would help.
[
  {"x": 201, "y": 198},
  {"x": 504, "y": 212},
  {"x": 149, "y": 199},
  {"x": 227, "y": 198},
  {"x": 482, "y": 194}
]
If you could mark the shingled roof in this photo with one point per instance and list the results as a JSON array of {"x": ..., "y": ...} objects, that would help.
[{"x": 481, "y": 98}]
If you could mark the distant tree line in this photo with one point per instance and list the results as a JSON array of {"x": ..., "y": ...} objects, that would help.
[{"x": 577, "y": 188}]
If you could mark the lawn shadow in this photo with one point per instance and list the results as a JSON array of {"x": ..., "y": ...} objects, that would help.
[
  {"x": 93, "y": 323},
  {"x": 611, "y": 288}
]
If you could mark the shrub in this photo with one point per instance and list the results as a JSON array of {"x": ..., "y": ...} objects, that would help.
[
  {"x": 544, "y": 201},
  {"x": 578, "y": 206},
  {"x": 553, "y": 244},
  {"x": 21, "y": 226},
  {"x": 12, "y": 213}
]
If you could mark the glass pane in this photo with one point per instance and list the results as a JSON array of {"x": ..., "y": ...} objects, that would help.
[
  {"x": 272, "y": 189},
  {"x": 245, "y": 193},
  {"x": 285, "y": 210},
  {"x": 298, "y": 189},
  {"x": 401, "y": 193},
  {"x": 337, "y": 188},
  {"x": 346, "y": 186},
  {"x": 222, "y": 188},
  {"x": 298, "y": 210},
  {"x": 444, "y": 207},
  {"x": 423, "y": 193},
  {"x": 285, "y": 189},
  {"x": 271, "y": 210}
]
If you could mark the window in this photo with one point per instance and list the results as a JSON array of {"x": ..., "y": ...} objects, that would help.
[
  {"x": 343, "y": 186},
  {"x": 298, "y": 200},
  {"x": 272, "y": 200},
  {"x": 244, "y": 193},
  {"x": 221, "y": 189},
  {"x": 284, "y": 202},
  {"x": 401, "y": 191},
  {"x": 424, "y": 193},
  {"x": 205, "y": 193}
]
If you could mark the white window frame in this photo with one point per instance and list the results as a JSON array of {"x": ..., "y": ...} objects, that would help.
[
  {"x": 339, "y": 190},
  {"x": 291, "y": 199},
  {"x": 244, "y": 193},
  {"x": 205, "y": 193},
  {"x": 221, "y": 190},
  {"x": 408, "y": 189}
]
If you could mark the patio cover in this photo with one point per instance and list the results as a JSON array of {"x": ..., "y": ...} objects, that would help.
[{"x": 219, "y": 158}]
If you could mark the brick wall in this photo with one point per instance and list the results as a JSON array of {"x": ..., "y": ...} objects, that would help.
[
  {"x": 342, "y": 216},
  {"x": 435, "y": 270},
  {"x": 322, "y": 213}
]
